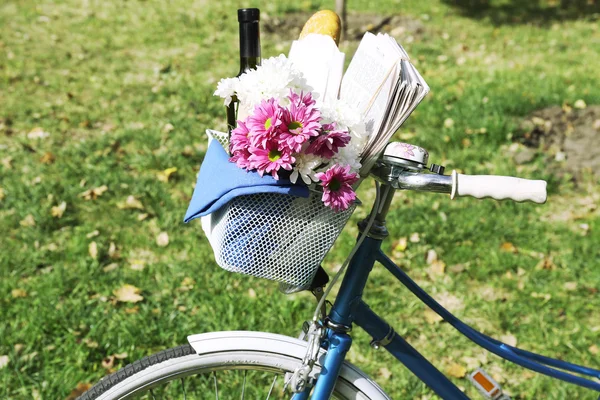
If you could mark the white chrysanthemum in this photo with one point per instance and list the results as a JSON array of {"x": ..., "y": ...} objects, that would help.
[
  {"x": 226, "y": 89},
  {"x": 305, "y": 168},
  {"x": 273, "y": 79},
  {"x": 348, "y": 155}
]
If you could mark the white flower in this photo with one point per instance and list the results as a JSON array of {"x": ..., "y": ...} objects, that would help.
[
  {"x": 273, "y": 79},
  {"x": 348, "y": 155},
  {"x": 305, "y": 168},
  {"x": 227, "y": 88}
]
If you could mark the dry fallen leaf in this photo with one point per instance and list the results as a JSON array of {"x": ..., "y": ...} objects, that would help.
[
  {"x": 450, "y": 302},
  {"x": 251, "y": 293},
  {"x": 6, "y": 162},
  {"x": 2, "y": 194},
  {"x": 121, "y": 356},
  {"x": 142, "y": 217},
  {"x": 509, "y": 339},
  {"x": 93, "y": 250},
  {"x": 448, "y": 123},
  {"x": 110, "y": 267},
  {"x": 545, "y": 263},
  {"x": 93, "y": 194},
  {"x": 28, "y": 221},
  {"x": 431, "y": 256},
  {"x": 17, "y": 293},
  {"x": 508, "y": 247},
  {"x": 48, "y": 158},
  {"x": 132, "y": 310},
  {"x": 458, "y": 268},
  {"x": 162, "y": 240},
  {"x": 90, "y": 343},
  {"x": 580, "y": 104},
  {"x": 570, "y": 286},
  {"x": 92, "y": 234},
  {"x": 112, "y": 251},
  {"x": 108, "y": 362},
  {"x": 59, "y": 210},
  {"x": 401, "y": 244},
  {"x": 187, "y": 284},
  {"x": 385, "y": 373},
  {"x": 130, "y": 203},
  {"x": 4, "y": 361},
  {"x": 128, "y": 294},
  {"x": 594, "y": 349},
  {"x": 432, "y": 317},
  {"x": 456, "y": 370},
  {"x": 168, "y": 128},
  {"x": 414, "y": 238},
  {"x": 164, "y": 176},
  {"x": 436, "y": 269},
  {"x": 37, "y": 133},
  {"x": 137, "y": 265}
]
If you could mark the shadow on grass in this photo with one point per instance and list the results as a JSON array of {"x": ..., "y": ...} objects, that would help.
[{"x": 538, "y": 12}]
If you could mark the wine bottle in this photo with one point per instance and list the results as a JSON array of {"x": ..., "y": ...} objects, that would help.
[{"x": 248, "y": 19}]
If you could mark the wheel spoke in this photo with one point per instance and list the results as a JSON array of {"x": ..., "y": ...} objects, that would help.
[
  {"x": 272, "y": 386},
  {"x": 216, "y": 385},
  {"x": 244, "y": 385},
  {"x": 184, "y": 392},
  {"x": 152, "y": 394}
]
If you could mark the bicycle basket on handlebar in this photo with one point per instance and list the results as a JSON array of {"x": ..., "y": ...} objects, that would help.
[{"x": 273, "y": 235}]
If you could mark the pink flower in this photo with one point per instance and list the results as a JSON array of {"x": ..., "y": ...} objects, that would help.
[
  {"x": 240, "y": 138},
  {"x": 299, "y": 122},
  {"x": 337, "y": 187},
  {"x": 270, "y": 159},
  {"x": 328, "y": 143},
  {"x": 304, "y": 99},
  {"x": 264, "y": 123},
  {"x": 241, "y": 158}
]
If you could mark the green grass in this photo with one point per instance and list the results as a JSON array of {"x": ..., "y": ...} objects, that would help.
[{"x": 105, "y": 78}]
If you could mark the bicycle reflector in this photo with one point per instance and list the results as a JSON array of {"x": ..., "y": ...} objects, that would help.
[{"x": 487, "y": 386}]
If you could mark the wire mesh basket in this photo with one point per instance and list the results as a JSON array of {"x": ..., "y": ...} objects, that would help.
[{"x": 275, "y": 236}]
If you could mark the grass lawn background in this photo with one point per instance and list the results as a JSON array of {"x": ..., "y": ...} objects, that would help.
[{"x": 112, "y": 94}]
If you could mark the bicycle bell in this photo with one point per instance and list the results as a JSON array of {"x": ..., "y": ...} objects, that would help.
[{"x": 406, "y": 155}]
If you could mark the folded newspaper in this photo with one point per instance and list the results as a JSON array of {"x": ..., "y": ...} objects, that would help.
[{"x": 380, "y": 82}]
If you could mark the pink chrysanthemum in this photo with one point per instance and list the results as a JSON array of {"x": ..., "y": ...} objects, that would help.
[
  {"x": 299, "y": 122},
  {"x": 241, "y": 158},
  {"x": 240, "y": 138},
  {"x": 337, "y": 187},
  {"x": 304, "y": 99},
  {"x": 264, "y": 123},
  {"x": 328, "y": 143},
  {"x": 270, "y": 159}
]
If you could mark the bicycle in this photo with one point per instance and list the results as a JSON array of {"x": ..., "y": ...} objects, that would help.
[{"x": 313, "y": 365}]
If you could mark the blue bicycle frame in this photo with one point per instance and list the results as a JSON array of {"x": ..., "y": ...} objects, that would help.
[{"x": 349, "y": 309}]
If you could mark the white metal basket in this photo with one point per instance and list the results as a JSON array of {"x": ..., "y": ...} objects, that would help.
[{"x": 275, "y": 236}]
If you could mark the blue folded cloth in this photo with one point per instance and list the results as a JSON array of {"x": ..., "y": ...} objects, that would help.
[{"x": 219, "y": 181}]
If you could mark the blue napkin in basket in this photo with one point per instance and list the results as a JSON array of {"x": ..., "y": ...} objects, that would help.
[{"x": 219, "y": 181}]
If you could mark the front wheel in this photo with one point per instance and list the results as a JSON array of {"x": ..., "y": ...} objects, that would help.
[{"x": 225, "y": 365}]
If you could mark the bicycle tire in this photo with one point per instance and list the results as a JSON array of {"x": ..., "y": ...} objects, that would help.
[{"x": 226, "y": 351}]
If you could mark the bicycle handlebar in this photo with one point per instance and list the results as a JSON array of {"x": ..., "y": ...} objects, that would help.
[
  {"x": 498, "y": 187},
  {"x": 478, "y": 186}
]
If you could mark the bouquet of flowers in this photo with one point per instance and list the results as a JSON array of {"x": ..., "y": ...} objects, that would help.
[{"x": 285, "y": 130}]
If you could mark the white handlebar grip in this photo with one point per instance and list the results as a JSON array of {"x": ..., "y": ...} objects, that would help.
[{"x": 498, "y": 187}]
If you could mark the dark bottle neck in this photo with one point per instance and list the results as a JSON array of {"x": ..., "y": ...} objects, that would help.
[{"x": 249, "y": 45}]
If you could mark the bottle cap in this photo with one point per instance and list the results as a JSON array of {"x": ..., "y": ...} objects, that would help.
[{"x": 248, "y": 14}]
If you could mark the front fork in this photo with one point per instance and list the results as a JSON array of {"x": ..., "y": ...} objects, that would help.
[{"x": 337, "y": 345}]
